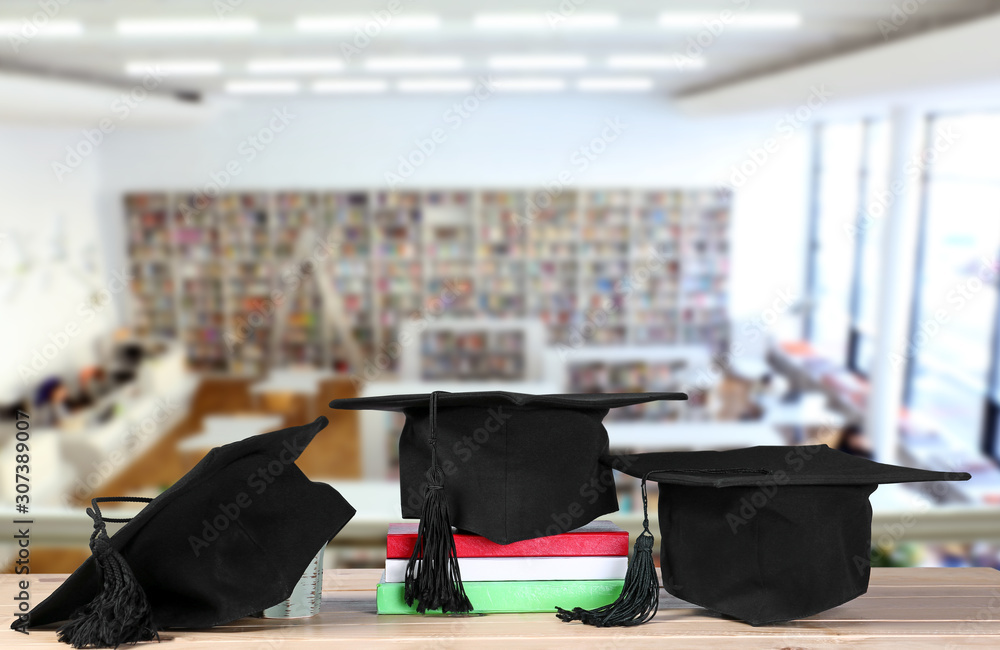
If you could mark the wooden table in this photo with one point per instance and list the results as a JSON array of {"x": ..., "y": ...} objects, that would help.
[
  {"x": 911, "y": 608},
  {"x": 301, "y": 382}
]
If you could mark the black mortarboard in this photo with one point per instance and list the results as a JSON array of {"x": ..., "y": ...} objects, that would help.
[
  {"x": 229, "y": 539},
  {"x": 763, "y": 534},
  {"x": 507, "y": 466}
]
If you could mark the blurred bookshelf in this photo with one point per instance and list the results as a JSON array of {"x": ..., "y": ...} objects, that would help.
[
  {"x": 345, "y": 217},
  {"x": 473, "y": 355},
  {"x": 630, "y": 370},
  {"x": 596, "y": 267},
  {"x": 200, "y": 269},
  {"x": 151, "y": 258},
  {"x": 247, "y": 279}
]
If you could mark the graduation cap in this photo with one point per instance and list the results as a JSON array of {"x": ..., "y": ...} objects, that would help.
[
  {"x": 763, "y": 534},
  {"x": 229, "y": 539},
  {"x": 506, "y": 466}
]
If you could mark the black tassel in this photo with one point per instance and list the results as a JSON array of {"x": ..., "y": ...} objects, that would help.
[
  {"x": 438, "y": 582},
  {"x": 120, "y": 614},
  {"x": 640, "y": 597}
]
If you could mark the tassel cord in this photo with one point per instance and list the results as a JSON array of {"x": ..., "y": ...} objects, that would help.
[
  {"x": 120, "y": 613},
  {"x": 640, "y": 597},
  {"x": 433, "y": 578}
]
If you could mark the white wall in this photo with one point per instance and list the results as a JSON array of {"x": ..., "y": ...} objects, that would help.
[
  {"x": 507, "y": 141},
  {"x": 32, "y": 195},
  {"x": 39, "y": 296}
]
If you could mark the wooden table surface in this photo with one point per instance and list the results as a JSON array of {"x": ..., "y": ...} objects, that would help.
[{"x": 911, "y": 608}]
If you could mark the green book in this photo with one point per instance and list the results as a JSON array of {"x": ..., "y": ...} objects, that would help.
[{"x": 514, "y": 597}]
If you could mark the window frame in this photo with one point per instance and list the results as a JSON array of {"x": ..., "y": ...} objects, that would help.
[
  {"x": 854, "y": 333},
  {"x": 989, "y": 436},
  {"x": 812, "y": 233}
]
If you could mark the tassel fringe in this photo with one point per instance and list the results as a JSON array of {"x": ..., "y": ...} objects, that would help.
[
  {"x": 640, "y": 597},
  {"x": 120, "y": 614},
  {"x": 438, "y": 582}
]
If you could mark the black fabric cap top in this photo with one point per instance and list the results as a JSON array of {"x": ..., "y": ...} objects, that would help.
[
  {"x": 514, "y": 466},
  {"x": 507, "y": 466},
  {"x": 802, "y": 465},
  {"x": 229, "y": 539},
  {"x": 767, "y": 534}
]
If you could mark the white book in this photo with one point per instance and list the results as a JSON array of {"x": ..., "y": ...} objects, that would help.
[{"x": 504, "y": 569}]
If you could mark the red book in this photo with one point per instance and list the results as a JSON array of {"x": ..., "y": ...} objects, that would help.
[{"x": 598, "y": 538}]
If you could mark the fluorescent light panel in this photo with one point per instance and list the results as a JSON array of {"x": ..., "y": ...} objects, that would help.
[
  {"x": 531, "y": 62},
  {"x": 187, "y": 27},
  {"x": 292, "y": 66},
  {"x": 614, "y": 84},
  {"x": 327, "y": 23},
  {"x": 589, "y": 21},
  {"x": 434, "y": 85},
  {"x": 530, "y": 84},
  {"x": 413, "y": 63},
  {"x": 51, "y": 29},
  {"x": 510, "y": 21},
  {"x": 768, "y": 21},
  {"x": 550, "y": 20},
  {"x": 186, "y": 68},
  {"x": 259, "y": 87},
  {"x": 407, "y": 23},
  {"x": 655, "y": 62},
  {"x": 350, "y": 86},
  {"x": 694, "y": 20}
]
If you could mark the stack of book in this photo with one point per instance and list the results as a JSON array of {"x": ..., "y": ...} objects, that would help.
[{"x": 582, "y": 568}]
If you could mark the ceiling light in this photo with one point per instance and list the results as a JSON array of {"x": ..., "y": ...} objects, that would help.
[
  {"x": 530, "y": 84},
  {"x": 529, "y": 62},
  {"x": 187, "y": 27},
  {"x": 589, "y": 21},
  {"x": 292, "y": 66},
  {"x": 434, "y": 85},
  {"x": 690, "y": 20},
  {"x": 510, "y": 21},
  {"x": 188, "y": 68},
  {"x": 257, "y": 87},
  {"x": 769, "y": 21},
  {"x": 345, "y": 86},
  {"x": 327, "y": 23},
  {"x": 414, "y": 63},
  {"x": 53, "y": 28},
  {"x": 414, "y": 23},
  {"x": 551, "y": 20},
  {"x": 655, "y": 62},
  {"x": 614, "y": 84},
  {"x": 349, "y": 23}
]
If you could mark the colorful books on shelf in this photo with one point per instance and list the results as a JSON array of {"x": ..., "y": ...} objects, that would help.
[{"x": 582, "y": 568}]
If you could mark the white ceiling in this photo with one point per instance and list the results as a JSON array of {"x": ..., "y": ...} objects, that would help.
[{"x": 827, "y": 27}]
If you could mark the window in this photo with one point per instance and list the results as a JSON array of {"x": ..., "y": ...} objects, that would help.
[
  {"x": 833, "y": 256},
  {"x": 874, "y": 186},
  {"x": 952, "y": 342},
  {"x": 953, "y": 351}
]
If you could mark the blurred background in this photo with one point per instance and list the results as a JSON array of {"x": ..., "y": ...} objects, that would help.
[{"x": 218, "y": 216}]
